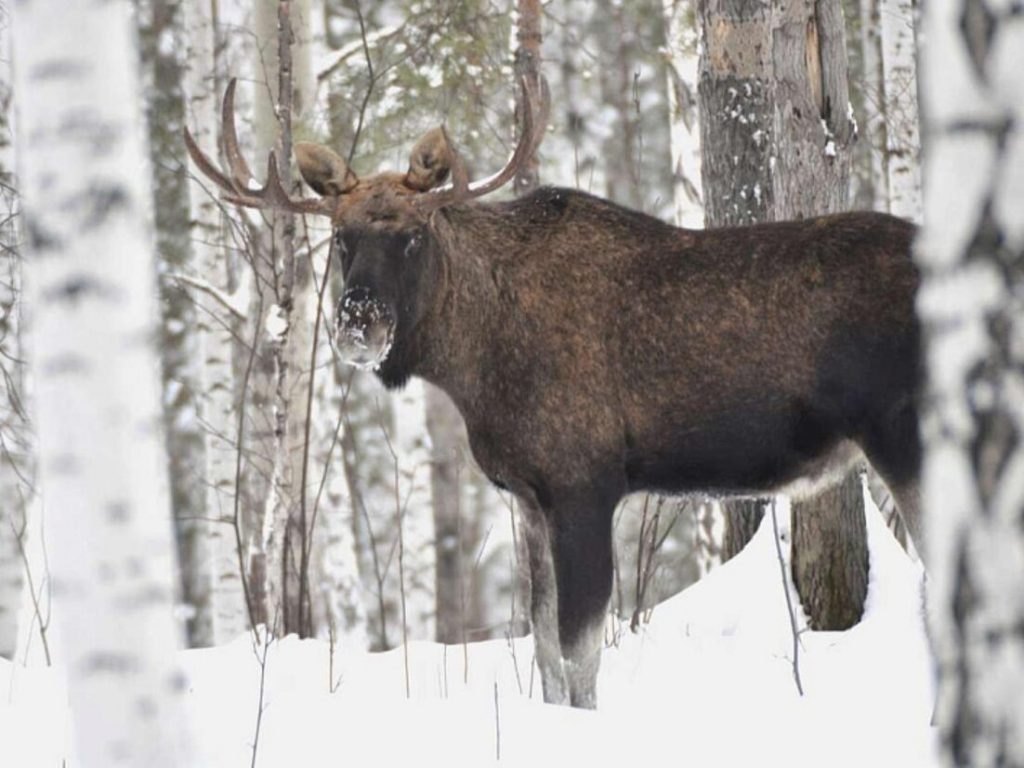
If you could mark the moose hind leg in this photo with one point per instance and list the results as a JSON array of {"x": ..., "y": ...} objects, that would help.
[
  {"x": 583, "y": 562},
  {"x": 544, "y": 607},
  {"x": 893, "y": 446}
]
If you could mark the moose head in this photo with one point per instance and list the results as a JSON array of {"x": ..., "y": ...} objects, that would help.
[{"x": 382, "y": 223}]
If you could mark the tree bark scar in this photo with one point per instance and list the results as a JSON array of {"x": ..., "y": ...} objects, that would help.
[{"x": 812, "y": 61}]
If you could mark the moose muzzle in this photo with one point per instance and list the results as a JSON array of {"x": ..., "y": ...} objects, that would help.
[{"x": 366, "y": 329}]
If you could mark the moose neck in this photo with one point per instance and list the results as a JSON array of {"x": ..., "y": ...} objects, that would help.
[{"x": 452, "y": 342}]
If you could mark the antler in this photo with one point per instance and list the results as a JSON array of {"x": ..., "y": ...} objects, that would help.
[
  {"x": 459, "y": 189},
  {"x": 236, "y": 186}
]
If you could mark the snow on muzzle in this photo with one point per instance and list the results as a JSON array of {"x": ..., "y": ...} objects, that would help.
[{"x": 366, "y": 329}]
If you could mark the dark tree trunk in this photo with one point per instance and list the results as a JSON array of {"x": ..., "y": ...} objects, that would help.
[
  {"x": 775, "y": 133},
  {"x": 742, "y": 518},
  {"x": 831, "y": 576}
]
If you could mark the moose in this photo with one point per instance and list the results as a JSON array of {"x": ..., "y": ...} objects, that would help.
[{"x": 594, "y": 351}]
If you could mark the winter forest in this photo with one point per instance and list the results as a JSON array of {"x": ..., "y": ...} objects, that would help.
[{"x": 636, "y": 485}]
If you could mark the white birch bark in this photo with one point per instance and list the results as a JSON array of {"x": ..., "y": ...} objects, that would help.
[
  {"x": 874, "y": 128},
  {"x": 412, "y": 446},
  {"x": 970, "y": 249},
  {"x": 218, "y": 411},
  {"x": 338, "y": 608},
  {"x": 101, "y": 455},
  {"x": 14, "y": 480},
  {"x": 903, "y": 140},
  {"x": 684, "y": 131}
]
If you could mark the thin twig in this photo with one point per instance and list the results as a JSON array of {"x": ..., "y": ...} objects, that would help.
[
  {"x": 232, "y": 302},
  {"x": 262, "y": 658},
  {"x": 401, "y": 552},
  {"x": 307, "y": 531},
  {"x": 371, "y": 82},
  {"x": 236, "y": 516},
  {"x": 497, "y": 724},
  {"x": 789, "y": 604}
]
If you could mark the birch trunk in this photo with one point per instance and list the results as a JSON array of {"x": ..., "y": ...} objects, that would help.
[
  {"x": 279, "y": 594},
  {"x": 15, "y": 482},
  {"x": 161, "y": 38},
  {"x": 338, "y": 609},
  {"x": 414, "y": 513},
  {"x": 970, "y": 253},
  {"x": 902, "y": 136},
  {"x": 369, "y": 474},
  {"x": 447, "y": 478},
  {"x": 102, "y": 463},
  {"x": 684, "y": 128},
  {"x": 225, "y": 611},
  {"x": 338, "y": 601},
  {"x": 874, "y": 102}
]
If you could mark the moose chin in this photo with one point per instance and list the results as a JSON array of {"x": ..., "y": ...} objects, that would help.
[{"x": 594, "y": 351}]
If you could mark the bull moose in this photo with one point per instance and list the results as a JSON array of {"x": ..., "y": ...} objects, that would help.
[{"x": 594, "y": 351}]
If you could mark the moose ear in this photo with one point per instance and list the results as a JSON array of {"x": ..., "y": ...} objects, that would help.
[
  {"x": 430, "y": 161},
  {"x": 323, "y": 169}
]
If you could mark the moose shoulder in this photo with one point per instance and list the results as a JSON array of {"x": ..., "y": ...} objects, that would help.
[{"x": 594, "y": 351}]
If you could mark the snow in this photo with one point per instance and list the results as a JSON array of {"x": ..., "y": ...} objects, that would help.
[{"x": 708, "y": 682}]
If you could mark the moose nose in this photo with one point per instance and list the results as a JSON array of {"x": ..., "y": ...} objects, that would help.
[
  {"x": 366, "y": 328},
  {"x": 359, "y": 309}
]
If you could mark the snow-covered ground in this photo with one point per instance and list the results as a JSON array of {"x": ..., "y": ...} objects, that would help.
[{"x": 707, "y": 682}]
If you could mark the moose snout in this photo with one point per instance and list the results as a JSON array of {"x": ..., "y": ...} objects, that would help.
[{"x": 366, "y": 329}]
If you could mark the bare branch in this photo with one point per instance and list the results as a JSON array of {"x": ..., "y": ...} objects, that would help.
[
  {"x": 235, "y": 303},
  {"x": 789, "y": 603}
]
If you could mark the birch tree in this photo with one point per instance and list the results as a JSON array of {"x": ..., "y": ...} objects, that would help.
[
  {"x": 899, "y": 101},
  {"x": 684, "y": 128},
  {"x": 776, "y": 131},
  {"x": 225, "y": 610},
  {"x": 163, "y": 56},
  {"x": 970, "y": 252},
  {"x": 15, "y": 482},
  {"x": 889, "y": 95},
  {"x": 413, "y": 514},
  {"x": 339, "y": 611},
  {"x": 102, "y": 463}
]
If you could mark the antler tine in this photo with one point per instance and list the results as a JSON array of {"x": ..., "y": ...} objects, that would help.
[
  {"x": 460, "y": 189},
  {"x": 241, "y": 175},
  {"x": 238, "y": 185},
  {"x": 206, "y": 165},
  {"x": 274, "y": 193},
  {"x": 542, "y": 111},
  {"x": 519, "y": 154}
]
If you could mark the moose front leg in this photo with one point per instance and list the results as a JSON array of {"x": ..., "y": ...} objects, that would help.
[
  {"x": 544, "y": 606},
  {"x": 583, "y": 565}
]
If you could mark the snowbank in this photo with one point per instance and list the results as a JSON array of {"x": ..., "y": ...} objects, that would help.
[{"x": 708, "y": 682}]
